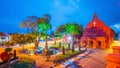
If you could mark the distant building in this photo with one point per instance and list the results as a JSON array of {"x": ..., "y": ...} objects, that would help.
[
  {"x": 3, "y": 37},
  {"x": 97, "y": 34}
]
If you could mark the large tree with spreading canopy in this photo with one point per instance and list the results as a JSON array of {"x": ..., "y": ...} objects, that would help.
[
  {"x": 37, "y": 26},
  {"x": 69, "y": 29}
]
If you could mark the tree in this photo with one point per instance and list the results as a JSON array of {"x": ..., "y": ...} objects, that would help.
[
  {"x": 37, "y": 26},
  {"x": 60, "y": 30},
  {"x": 20, "y": 39},
  {"x": 70, "y": 28},
  {"x": 43, "y": 26},
  {"x": 73, "y": 29},
  {"x": 30, "y": 23}
]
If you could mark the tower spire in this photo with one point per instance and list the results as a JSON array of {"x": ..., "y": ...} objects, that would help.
[{"x": 95, "y": 17}]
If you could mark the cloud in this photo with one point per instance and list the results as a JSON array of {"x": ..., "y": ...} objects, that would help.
[{"x": 116, "y": 27}]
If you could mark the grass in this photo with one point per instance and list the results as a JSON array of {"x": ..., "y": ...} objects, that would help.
[
  {"x": 60, "y": 57},
  {"x": 57, "y": 46}
]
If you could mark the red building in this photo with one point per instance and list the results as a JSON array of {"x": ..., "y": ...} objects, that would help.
[{"x": 97, "y": 34}]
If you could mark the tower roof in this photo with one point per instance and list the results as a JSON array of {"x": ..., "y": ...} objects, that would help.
[
  {"x": 95, "y": 17},
  {"x": 95, "y": 22}
]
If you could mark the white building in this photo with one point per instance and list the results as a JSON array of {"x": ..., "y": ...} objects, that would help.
[{"x": 3, "y": 37}]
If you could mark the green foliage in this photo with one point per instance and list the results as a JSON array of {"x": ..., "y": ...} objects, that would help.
[
  {"x": 55, "y": 46},
  {"x": 61, "y": 57},
  {"x": 73, "y": 28},
  {"x": 37, "y": 26},
  {"x": 44, "y": 37},
  {"x": 60, "y": 29},
  {"x": 43, "y": 25},
  {"x": 69, "y": 28},
  {"x": 67, "y": 54},
  {"x": 21, "y": 39}
]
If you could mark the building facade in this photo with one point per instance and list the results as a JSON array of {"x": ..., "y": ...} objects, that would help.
[
  {"x": 97, "y": 34},
  {"x": 3, "y": 38}
]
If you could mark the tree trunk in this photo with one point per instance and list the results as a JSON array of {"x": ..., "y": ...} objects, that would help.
[
  {"x": 73, "y": 48},
  {"x": 45, "y": 51},
  {"x": 79, "y": 47},
  {"x": 23, "y": 47},
  {"x": 46, "y": 44},
  {"x": 59, "y": 44},
  {"x": 63, "y": 50},
  {"x": 68, "y": 46}
]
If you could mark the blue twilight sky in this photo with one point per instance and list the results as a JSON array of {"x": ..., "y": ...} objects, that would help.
[{"x": 13, "y": 12}]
